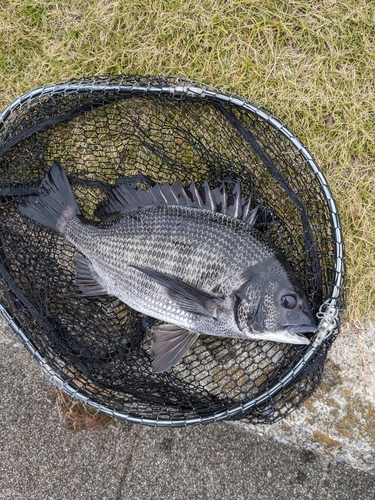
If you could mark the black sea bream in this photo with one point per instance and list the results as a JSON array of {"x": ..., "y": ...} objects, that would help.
[{"x": 187, "y": 256}]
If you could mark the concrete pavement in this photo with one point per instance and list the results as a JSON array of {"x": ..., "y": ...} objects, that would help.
[{"x": 40, "y": 459}]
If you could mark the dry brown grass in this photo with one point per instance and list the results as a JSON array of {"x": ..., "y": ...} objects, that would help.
[
  {"x": 79, "y": 417},
  {"x": 311, "y": 62}
]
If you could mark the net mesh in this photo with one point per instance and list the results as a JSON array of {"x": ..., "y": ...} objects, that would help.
[{"x": 159, "y": 130}]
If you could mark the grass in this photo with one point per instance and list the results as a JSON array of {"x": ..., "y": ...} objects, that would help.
[
  {"x": 78, "y": 417},
  {"x": 311, "y": 62}
]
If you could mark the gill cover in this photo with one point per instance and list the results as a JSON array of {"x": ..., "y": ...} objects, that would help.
[{"x": 270, "y": 307}]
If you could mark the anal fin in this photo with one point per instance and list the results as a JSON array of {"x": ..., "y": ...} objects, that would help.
[
  {"x": 170, "y": 344},
  {"x": 87, "y": 278}
]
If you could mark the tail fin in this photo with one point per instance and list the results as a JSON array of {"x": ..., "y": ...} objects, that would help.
[{"x": 55, "y": 204}]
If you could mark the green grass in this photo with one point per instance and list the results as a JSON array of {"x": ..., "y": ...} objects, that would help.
[{"x": 311, "y": 62}]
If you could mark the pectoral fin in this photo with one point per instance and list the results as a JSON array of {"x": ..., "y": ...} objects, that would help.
[
  {"x": 186, "y": 296},
  {"x": 170, "y": 344}
]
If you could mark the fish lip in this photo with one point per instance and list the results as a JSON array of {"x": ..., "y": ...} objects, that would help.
[
  {"x": 297, "y": 332},
  {"x": 295, "y": 337},
  {"x": 284, "y": 336},
  {"x": 301, "y": 329}
]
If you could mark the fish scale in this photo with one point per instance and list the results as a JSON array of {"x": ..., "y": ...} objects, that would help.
[
  {"x": 233, "y": 244},
  {"x": 181, "y": 261}
]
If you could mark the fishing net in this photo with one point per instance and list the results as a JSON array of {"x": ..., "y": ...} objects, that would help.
[{"x": 161, "y": 130}]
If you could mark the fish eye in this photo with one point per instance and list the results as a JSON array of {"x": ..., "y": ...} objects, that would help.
[{"x": 289, "y": 301}]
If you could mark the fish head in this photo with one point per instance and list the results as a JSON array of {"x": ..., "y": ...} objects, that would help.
[{"x": 274, "y": 308}]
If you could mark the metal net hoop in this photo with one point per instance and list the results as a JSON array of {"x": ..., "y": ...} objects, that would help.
[{"x": 163, "y": 129}]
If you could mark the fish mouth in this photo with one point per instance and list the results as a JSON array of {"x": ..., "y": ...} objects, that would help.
[
  {"x": 297, "y": 333},
  {"x": 295, "y": 330},
  {"x": 289, "y": 335}
]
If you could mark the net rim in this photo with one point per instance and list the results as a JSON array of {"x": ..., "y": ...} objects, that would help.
[{"x": 328, "y": 313}]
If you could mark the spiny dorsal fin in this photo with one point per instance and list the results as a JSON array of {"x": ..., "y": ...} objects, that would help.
[
  {"x": 125, "y": 198},
  {"x": 207, "y": 197},
  {"x": 195, "y": 196},
  {"x": 234, "y": 208}
]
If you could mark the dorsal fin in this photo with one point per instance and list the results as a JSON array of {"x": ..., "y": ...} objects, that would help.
[
  {"x": 125, "y": 198},
  {"x": 194, "y": 195},
  {"x": 207, "y": 197},
  {"x": 221, "y": 198},
  {"x": 234, "y": 208}
]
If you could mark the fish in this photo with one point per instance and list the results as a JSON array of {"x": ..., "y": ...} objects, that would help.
[{"x": 189, "y": 257}]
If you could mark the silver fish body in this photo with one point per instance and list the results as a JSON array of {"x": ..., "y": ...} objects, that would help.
[
  {"x": 187, "y": 257},
  {"x": 202, "y": 248}
]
